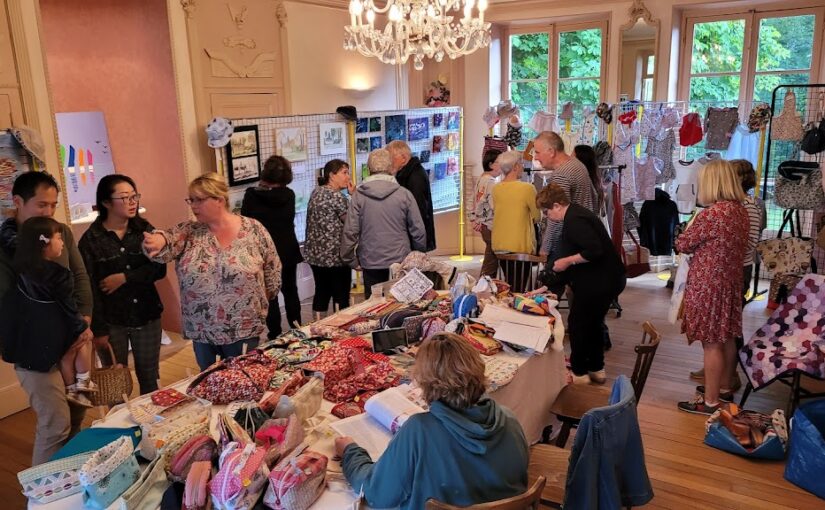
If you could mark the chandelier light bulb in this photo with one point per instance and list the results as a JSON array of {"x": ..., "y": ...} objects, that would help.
[
  {"x": 482, "y": 5},
  {"x": 371, "y": 16},
  {"x": 355, "y": 8}
]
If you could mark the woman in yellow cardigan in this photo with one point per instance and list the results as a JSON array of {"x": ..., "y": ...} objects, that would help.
[{"x": 514, "y": 208}]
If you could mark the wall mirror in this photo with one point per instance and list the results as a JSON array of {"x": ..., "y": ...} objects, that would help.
[{"x": 639, "y": 42}]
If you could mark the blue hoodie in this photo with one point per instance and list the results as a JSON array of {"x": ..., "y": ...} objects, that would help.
[{"x": 460, "y": 457}]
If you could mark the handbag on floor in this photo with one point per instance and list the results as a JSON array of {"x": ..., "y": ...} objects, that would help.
[
  {"x": 806, "y": 464},
  {"x": 748, "y": 433}
]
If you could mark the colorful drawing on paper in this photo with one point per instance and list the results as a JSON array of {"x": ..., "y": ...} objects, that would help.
[
  {"x": 302, "y": 184},
  {"x": 375, "y": 143},
  {"x": 332, "y": 137},
  {"x": 438, "y": 119},
  {"x": 84, "y": 154},
  {"x": 452, "y": 120},
  {"x": 424, "y": 156},
  {"x": 438, "y": 144},
  {"x": 365, "y": 171},
  {"x": 440, "y": 171},
  {"x": 418, "y": 129},
  {"x": 375, "y": 124},
  {"x": 395, "y": 128},
  {"x": 452, "y": 165},
  {"x": 362, "y": 145},
  {"x": 14, "y": 160},
  {"x": 452, "y": 141},
  {"x": 362, "y": 125},
  {"x": 291, "y": 143}
]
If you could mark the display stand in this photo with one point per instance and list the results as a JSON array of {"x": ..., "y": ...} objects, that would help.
[{"x": 461, "y": 257}]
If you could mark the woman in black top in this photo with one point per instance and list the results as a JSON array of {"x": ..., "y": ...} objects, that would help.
[
  {"x": 273, "y": 204},
  {"x": 589, "y": 263},
  {"x": 127, "y": 306}
]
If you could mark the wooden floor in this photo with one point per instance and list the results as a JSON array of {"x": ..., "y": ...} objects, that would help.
[{"x": 685, "y": 473}]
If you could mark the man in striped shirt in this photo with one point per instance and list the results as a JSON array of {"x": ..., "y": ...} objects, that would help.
[{"x": 571, "y": 175}]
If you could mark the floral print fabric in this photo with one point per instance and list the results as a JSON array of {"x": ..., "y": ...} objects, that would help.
[
  {"x": 224, "y": 292},
  {"x": 718, "y": 239},
  {"x": 325, "y": 224},
  {"x": 483, "y": 210}
]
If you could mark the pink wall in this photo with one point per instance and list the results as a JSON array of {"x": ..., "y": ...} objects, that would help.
[{"x": 115, "y": 56}]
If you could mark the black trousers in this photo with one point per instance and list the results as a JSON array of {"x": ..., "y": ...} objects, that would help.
[
  {"x": 292, "y": 303},
  {"x": 331, "y": 283},
  {"x": 587, "y": 328},
  {"x": 373, "y": 276}
]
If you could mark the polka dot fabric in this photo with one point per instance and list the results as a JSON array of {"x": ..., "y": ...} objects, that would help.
[{"x": 792, "y": 339}]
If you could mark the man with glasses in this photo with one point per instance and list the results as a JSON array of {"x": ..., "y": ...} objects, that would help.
[
  {"x": 35, "y": 194},
  {"x": 127, "y": 304}
]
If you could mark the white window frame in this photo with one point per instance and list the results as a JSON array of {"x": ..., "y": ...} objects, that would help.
[
  {"x": 554, "y": 30},
  {"x": 747, "y": 72}
]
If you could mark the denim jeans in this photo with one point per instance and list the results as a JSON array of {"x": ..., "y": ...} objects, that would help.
[{"x": 206, "y": 354}]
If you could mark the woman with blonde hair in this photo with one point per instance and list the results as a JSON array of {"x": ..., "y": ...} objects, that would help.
[
  {"x": 717, "y": 240},
  {"x": 465, "y": 450},
  {"x": 228, "y": 271}
]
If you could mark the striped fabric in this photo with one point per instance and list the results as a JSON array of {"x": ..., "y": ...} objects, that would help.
[
  {"x": 573, "y": 177},
  {"x": 756, "y": 221}
]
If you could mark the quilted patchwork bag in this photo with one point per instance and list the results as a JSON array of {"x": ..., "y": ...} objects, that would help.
[
  {"x": 108, "y": 473},
  {"x": 297, "y": 482},
  {"x": 53, "y": 480},
  {"x": 241, "y": 478}
]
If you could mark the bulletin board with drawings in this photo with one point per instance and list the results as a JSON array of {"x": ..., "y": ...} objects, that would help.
[
  {"x": 434, "y": 136},
  {"x": 310, "y": 141}
]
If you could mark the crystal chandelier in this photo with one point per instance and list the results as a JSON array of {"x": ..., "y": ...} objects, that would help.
[{"x": 417, "y": 28}]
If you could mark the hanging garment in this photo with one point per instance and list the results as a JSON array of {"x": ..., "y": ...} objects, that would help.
[
  {"x": 624, "y": 150},
  {"x": 513, "y": 136},
  {"x": 719, "y": 126},
  {"x": 588, "y": 130},
  {"x": 651, "y": 123},
  {"x": 657, "y": 222},
  {"x": 646, "y": 172},
  {"x": 663, "y": 150},
  {"x": 787, "y": 125},
  {"x": 744, "y": 145},
  {"x": 570, "y": 140},
  {"x": 687, "y": 185},
  {"x": 691, "y": 131},
  {"x": 543, "y": 121}
]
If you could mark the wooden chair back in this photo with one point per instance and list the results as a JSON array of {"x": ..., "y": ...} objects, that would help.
[
  {"x": 645, "y": 352},
  {"x": 520, "y": 270},
  {"x": 529, "y": 500}
]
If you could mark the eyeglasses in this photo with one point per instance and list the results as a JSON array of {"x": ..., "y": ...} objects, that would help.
[
  {"x": 196, "y": 200},
  {"x": 132, "y": 199}
]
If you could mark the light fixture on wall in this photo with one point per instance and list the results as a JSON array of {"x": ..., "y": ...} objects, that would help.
[{"x": 418, "y": 29}]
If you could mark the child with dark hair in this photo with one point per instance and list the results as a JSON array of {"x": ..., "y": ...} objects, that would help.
[{"x": 45, "y": 305}]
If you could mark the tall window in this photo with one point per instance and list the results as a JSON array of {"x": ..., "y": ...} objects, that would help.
[
  {"x": 744, "y": 57},
  {"x": 648, "y": 65},
  {"x": 560, "y": 64}
]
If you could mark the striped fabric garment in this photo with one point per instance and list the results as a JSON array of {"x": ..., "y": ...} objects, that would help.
[{"x": 756, "y": 221}]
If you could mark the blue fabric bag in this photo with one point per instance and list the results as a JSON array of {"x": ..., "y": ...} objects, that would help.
[
  {"x": 718, "y": 436},
  {"x": 108, "y": 473},
  {"x": 465, "y": 306},
  {"x": 806, "y": 460},
  {"x": 95, "y": 438}
]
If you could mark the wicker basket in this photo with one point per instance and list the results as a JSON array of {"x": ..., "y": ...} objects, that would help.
[{"x": 112, "y": 382}]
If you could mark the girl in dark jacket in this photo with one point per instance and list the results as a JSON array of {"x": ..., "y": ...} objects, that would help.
[{"x": 273, "y": 204}]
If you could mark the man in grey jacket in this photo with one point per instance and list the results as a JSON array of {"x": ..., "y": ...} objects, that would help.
[{"x": 383, "y": 223}]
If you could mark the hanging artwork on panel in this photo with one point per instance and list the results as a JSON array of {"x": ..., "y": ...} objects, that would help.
[
  {"x": 375, "y": 143},
  {"x": 395, "y": 127},
  {"x": 418, "y": 129},
  {"x": 452, "y": 165},
  {"x": 452, "y": 120},
  {"x": 291, "y": 143},
  {"x": 333, "y": 139},
  {"x": 14, "y": 160},
  {"x": 375, "y": 124},
  {"x": 244, "y": 158},
  {"x": 425, "y": 156},
  {"x": 452, "y": 141},
  {"x": 438, "y": 143},
  {"x": 440, "y": 171},
  {"x": 438, "y": 119},
  {"x": 362, "y": 125},
  {"x": 362, "y": 145},
  {"x": 84, "y": 155}
]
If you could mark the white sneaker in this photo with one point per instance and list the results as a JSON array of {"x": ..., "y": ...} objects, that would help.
[
  {"x": 79, "y": 399},
  {"x": 599, "y": 377},
  {"x": 581, "y": 379},
  {"x": 86, "y": 386}
]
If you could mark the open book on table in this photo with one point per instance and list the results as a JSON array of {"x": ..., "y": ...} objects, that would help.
[
  {"x": 517, "y": 328},
  {"x": 385, "y": 413}
]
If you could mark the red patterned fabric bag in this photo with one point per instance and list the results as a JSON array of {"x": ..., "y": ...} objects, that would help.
[
  {"x": 297, "y": 482},
  {"x": 336, "y": 363}
]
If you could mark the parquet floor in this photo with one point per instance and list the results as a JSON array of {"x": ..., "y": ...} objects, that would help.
[{"x": 685, "y": 473}]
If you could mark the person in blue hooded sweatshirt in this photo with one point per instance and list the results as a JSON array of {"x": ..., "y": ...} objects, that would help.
[{"x": 466, "y": 450}]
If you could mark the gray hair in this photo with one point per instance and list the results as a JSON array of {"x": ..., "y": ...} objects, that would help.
[
  {"x": 507, "y": 161},
  {"x": 550, "y": 140},
  {"x": 379, "y": 162},
  {"x": 399, "y": 147}
]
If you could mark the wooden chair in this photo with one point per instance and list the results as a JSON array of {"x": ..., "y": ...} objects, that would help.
[
  {"x": 576, "y": 399},
  {"x": 528, "y": 500},
  {"x": 550, "y": 463},
  {"x": 520, "y": 270}
]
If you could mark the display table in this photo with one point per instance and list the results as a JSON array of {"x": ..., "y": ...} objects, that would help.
[{"x": 529, "y": 395}]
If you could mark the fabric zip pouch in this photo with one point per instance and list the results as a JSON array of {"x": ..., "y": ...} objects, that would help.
[
  {"x": 196, "y": 490},
  {"x": 172, "y": 432},
  {"x": 198, "y": 448},
  {"x": 108, "y": 473},
  {"x": 53, "y": 480},
  {"x": 241, "y": 478},
  {"x": 297, "y": 482}
]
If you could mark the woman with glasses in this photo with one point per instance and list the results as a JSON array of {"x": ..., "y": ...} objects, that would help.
[
  {"x": 228, "y": 270},
  {"x": 127, "y": 307}
]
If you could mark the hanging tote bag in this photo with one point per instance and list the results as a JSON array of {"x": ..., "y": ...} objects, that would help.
[
  {"x": 113, "y": 382},
  {"x": 799, "y": 186},
  {"x": 636, "y": 259}
]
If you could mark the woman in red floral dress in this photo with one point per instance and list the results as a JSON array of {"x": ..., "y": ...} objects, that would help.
[{"x": 718, "y": 240}]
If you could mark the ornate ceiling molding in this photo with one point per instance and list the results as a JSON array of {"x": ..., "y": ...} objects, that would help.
[
  {"x": 188, "y": 7},
  {"x": 280, "y": 13},
  {"x": 639, "y": 11}
]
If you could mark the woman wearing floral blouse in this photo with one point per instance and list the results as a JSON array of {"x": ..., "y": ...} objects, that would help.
[
  {"x": 228, "y": 271},
  {"x": 325, "y": 223}
]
